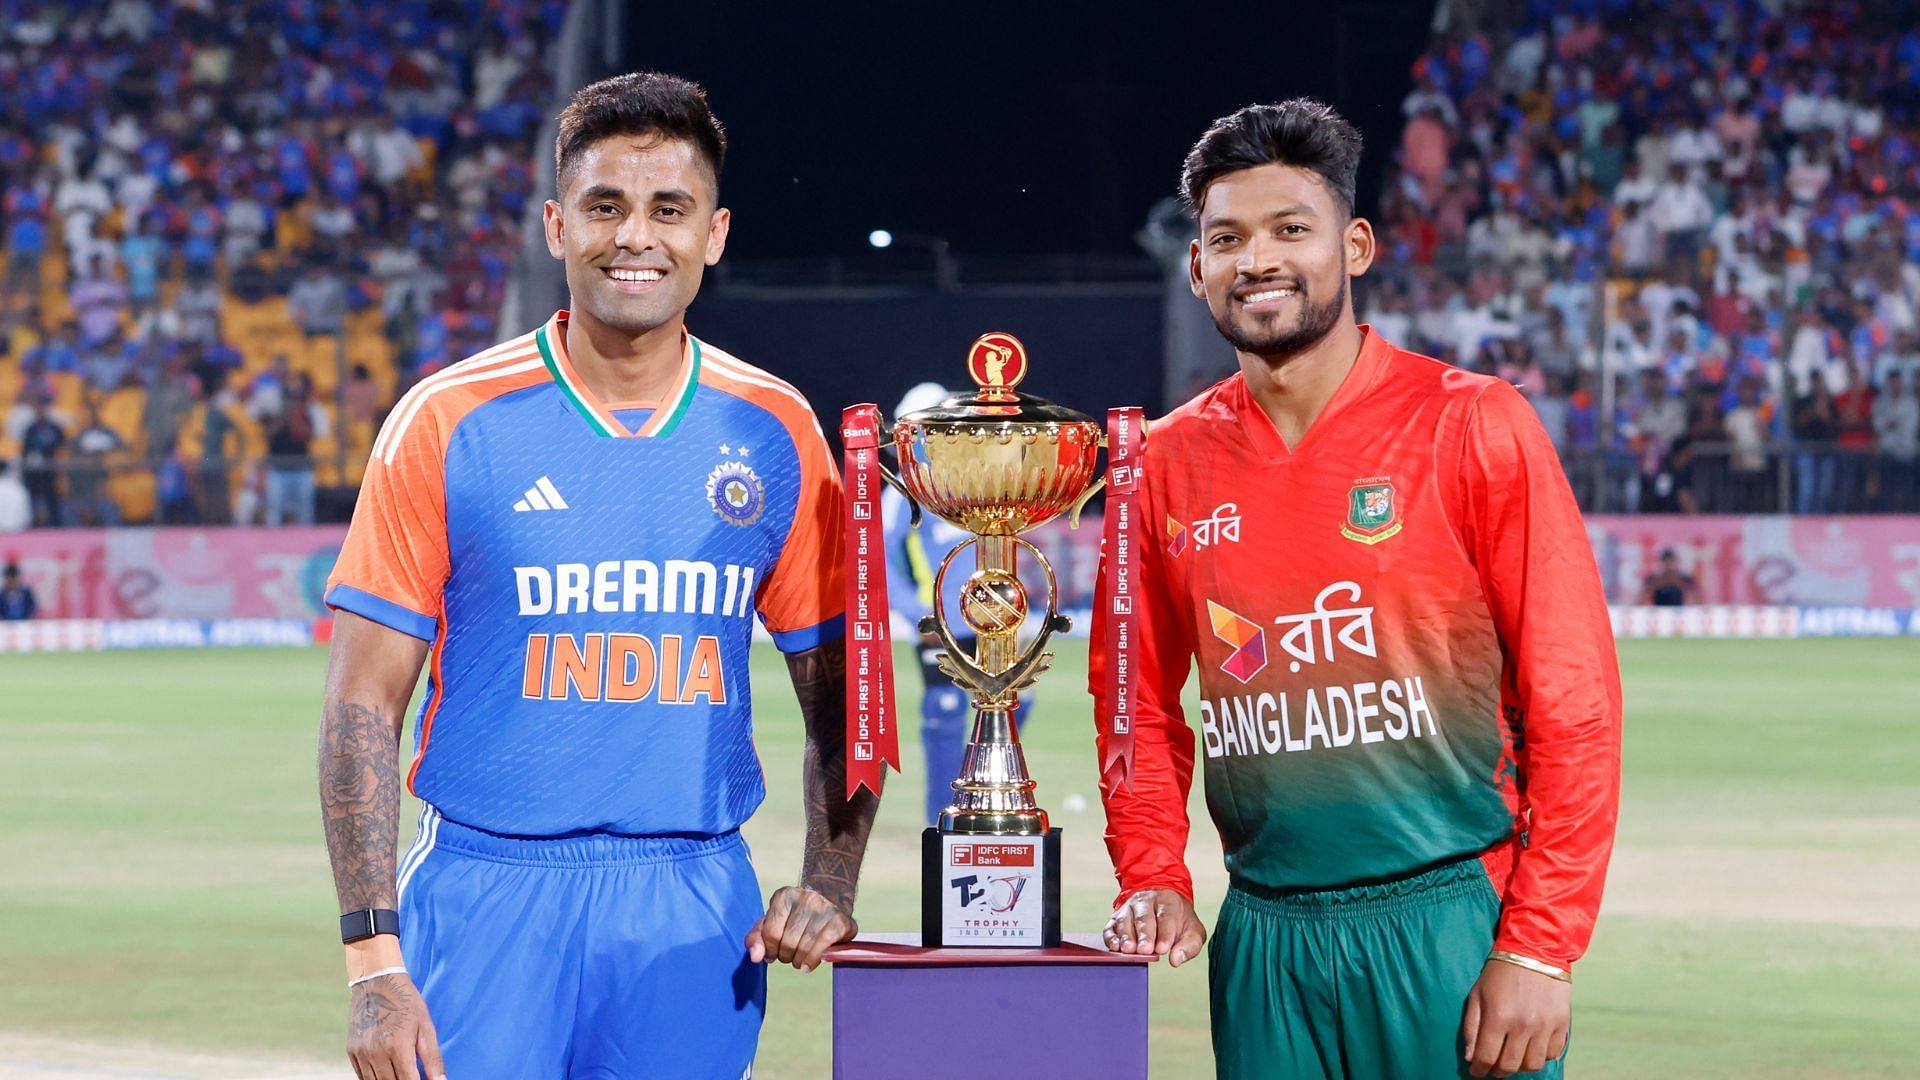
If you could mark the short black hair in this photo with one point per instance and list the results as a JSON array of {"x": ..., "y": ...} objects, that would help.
[
  {"x": 1300, "y": 132},
  {"x": 637, "y": 103}
]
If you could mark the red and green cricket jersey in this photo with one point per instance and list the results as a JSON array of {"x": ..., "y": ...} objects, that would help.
[{"x": 1404, "y": 650}]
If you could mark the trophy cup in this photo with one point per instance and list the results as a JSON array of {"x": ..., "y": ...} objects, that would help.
[{"x": 996, "y": 463}]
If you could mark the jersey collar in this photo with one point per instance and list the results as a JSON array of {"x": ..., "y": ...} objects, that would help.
[
  {"x": 1366, "y": 370},
  {"x": 552, "y": 339}
]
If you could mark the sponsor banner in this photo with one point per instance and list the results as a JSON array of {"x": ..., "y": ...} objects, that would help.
[
  {"x": 227, "y": 573},
  {"x": 1793, "y": 562},
  {"x": 100, "y": 635},
  {"x": 1712, "y": 621},
  {"x": 176, "y": 573},
  {"x": 1746, "y": 621},
  {"x": 1768, "y": 561},
  {"x": 1858, "y": 622}
]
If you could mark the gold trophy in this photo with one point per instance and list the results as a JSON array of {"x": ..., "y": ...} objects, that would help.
[{"x": 996, "y": 463}]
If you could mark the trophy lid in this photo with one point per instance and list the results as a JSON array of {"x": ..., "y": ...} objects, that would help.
[
  {"x": 997, "y": 361},
  {"x": 996, "y": 462}
]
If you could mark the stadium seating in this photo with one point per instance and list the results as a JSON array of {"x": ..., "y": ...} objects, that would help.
[
  {"x": 221, "y": 175},
  {"x": 1725, "y": 193}
]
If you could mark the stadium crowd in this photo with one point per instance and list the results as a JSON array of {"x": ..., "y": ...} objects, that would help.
[
  {"x": 1690, "y": 231},
  {"x": 233, "y": 231}
]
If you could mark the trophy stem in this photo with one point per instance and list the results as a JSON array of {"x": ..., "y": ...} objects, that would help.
[{"x": 993, "y": 795}]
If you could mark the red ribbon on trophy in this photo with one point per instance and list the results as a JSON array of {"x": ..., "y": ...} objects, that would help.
[
  {"x": 1126, "y": 436},
  {"x": 873, "y": 740}
]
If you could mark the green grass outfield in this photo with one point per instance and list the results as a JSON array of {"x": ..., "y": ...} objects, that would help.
[{"x": 163, "y": 881}]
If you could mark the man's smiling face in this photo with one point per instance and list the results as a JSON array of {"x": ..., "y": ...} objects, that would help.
[
  {"x": 1273, "y": 259},
  {"x": 637, "y": 225}
]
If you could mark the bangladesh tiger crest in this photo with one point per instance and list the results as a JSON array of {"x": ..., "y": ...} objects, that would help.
[{"x": 1372, "y": 513}]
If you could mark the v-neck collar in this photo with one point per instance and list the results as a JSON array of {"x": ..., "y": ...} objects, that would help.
[
  {"x": 552, "y": 339},
  {"x": 1360, "y": 378}
]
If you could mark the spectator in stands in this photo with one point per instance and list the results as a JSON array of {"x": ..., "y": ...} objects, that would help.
[
  {"x": 210, "y": 443},
  {"x": 249, "y": 502},
  {"x": 16, "y": 506},
  {"x": 1815, "y": 426},
  {"x": 332, "y": 222},
  {"x": 1855, "y": 442},
  {"x": 1896, "y": 424},
  {"x": 244, "y": 226},
  {"x": 1669, "y": 586},
  {"x": 109, "y": 363},
  {"x": 42, "y": 445},
  {"x": 1903, "y": 359},
  {"x": 169, "y": 400},
  {"x": 360, "y": 398},
  {"x": 1556, "y": 350},
  {"x": 197, "y": 307},
  {"x": 26, "y": 236},
  {"x": 144, "y": 255},
  {"x": 17, "y": 602},
  {"x": 88, "y": 466},
  {"x": 60, "y": 353},
  {"x": 290, "y": 435},
  {"x": 1667, "y": 487},
  {"x": 268, "y": 394},
  {"x": 1746, "y": 429},
  {"x": 319, "y": 301},
  {"x": 1555, "y": 412},
  {"x": 100, "y": 301}
]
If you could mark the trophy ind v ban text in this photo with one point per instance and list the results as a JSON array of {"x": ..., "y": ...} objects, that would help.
[{"x": 996, "y": 463}]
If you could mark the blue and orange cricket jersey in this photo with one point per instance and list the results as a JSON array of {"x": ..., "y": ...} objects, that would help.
[{"x": 587, "y": 574}]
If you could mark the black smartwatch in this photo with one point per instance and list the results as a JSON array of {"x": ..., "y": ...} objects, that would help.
[{"x": 368, "y": 922}]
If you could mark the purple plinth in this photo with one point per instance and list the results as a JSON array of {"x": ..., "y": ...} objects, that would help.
[{"x": 903, "y": 1012}]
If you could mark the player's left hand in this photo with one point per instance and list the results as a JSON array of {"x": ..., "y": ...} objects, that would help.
[
  {"x": 798, "y": 928},
  {"x": 1517, "y": 1020}
]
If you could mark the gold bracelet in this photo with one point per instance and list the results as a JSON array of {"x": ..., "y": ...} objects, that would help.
[{"x": 1528, "y": 962}]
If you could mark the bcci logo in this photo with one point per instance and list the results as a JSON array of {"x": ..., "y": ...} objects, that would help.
[
  {"x": 735, "y": 492},
  {"x": 1372, "y": 514}
]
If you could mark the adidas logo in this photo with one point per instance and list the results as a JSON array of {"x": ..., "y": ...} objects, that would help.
[{"x": 541, "y": 496}]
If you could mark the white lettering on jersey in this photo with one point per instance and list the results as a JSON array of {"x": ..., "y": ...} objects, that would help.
[
  {"x": 1355, "y": 631},
  {"x": 626, "y": 586},
  {"x": 1330, "y": 718}
]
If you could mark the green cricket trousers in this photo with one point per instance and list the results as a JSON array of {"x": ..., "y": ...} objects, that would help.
[{"x": 1363, "y": 983}]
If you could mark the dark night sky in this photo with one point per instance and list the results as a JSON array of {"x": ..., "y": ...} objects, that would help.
[{"x": 1004, "y": 129}]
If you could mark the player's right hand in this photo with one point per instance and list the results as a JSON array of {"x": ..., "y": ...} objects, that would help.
[
  {"x": 1156, "y": 921},
  {"x": 389, "y": 1035}
]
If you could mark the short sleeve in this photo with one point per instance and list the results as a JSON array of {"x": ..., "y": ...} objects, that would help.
[
  {"x": 804, "y": 597},
  {"x": 394, "y": 565}
]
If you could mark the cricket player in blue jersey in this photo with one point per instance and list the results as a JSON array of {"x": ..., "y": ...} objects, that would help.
[{"x": 574, "y": 532}]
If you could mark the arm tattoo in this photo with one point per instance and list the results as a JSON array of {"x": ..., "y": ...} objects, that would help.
[
  {"x": 837, "y": 827},
  {"x": 360, "y": 802}
]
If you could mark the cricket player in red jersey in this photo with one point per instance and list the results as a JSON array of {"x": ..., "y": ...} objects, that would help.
[{"x": 1410, "y": 704}]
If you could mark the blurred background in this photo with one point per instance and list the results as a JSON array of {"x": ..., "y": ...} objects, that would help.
[{"x": 234, "y": 233}]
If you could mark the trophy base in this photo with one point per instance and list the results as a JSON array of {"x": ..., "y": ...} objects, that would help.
[{"x": 989, "y": 890}]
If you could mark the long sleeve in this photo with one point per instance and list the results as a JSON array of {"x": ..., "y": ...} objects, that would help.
[
  {"x": 1147, "y": 825},
  {"x": 1560, "y": 692},
  {"x": 909, "y": 575}
]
